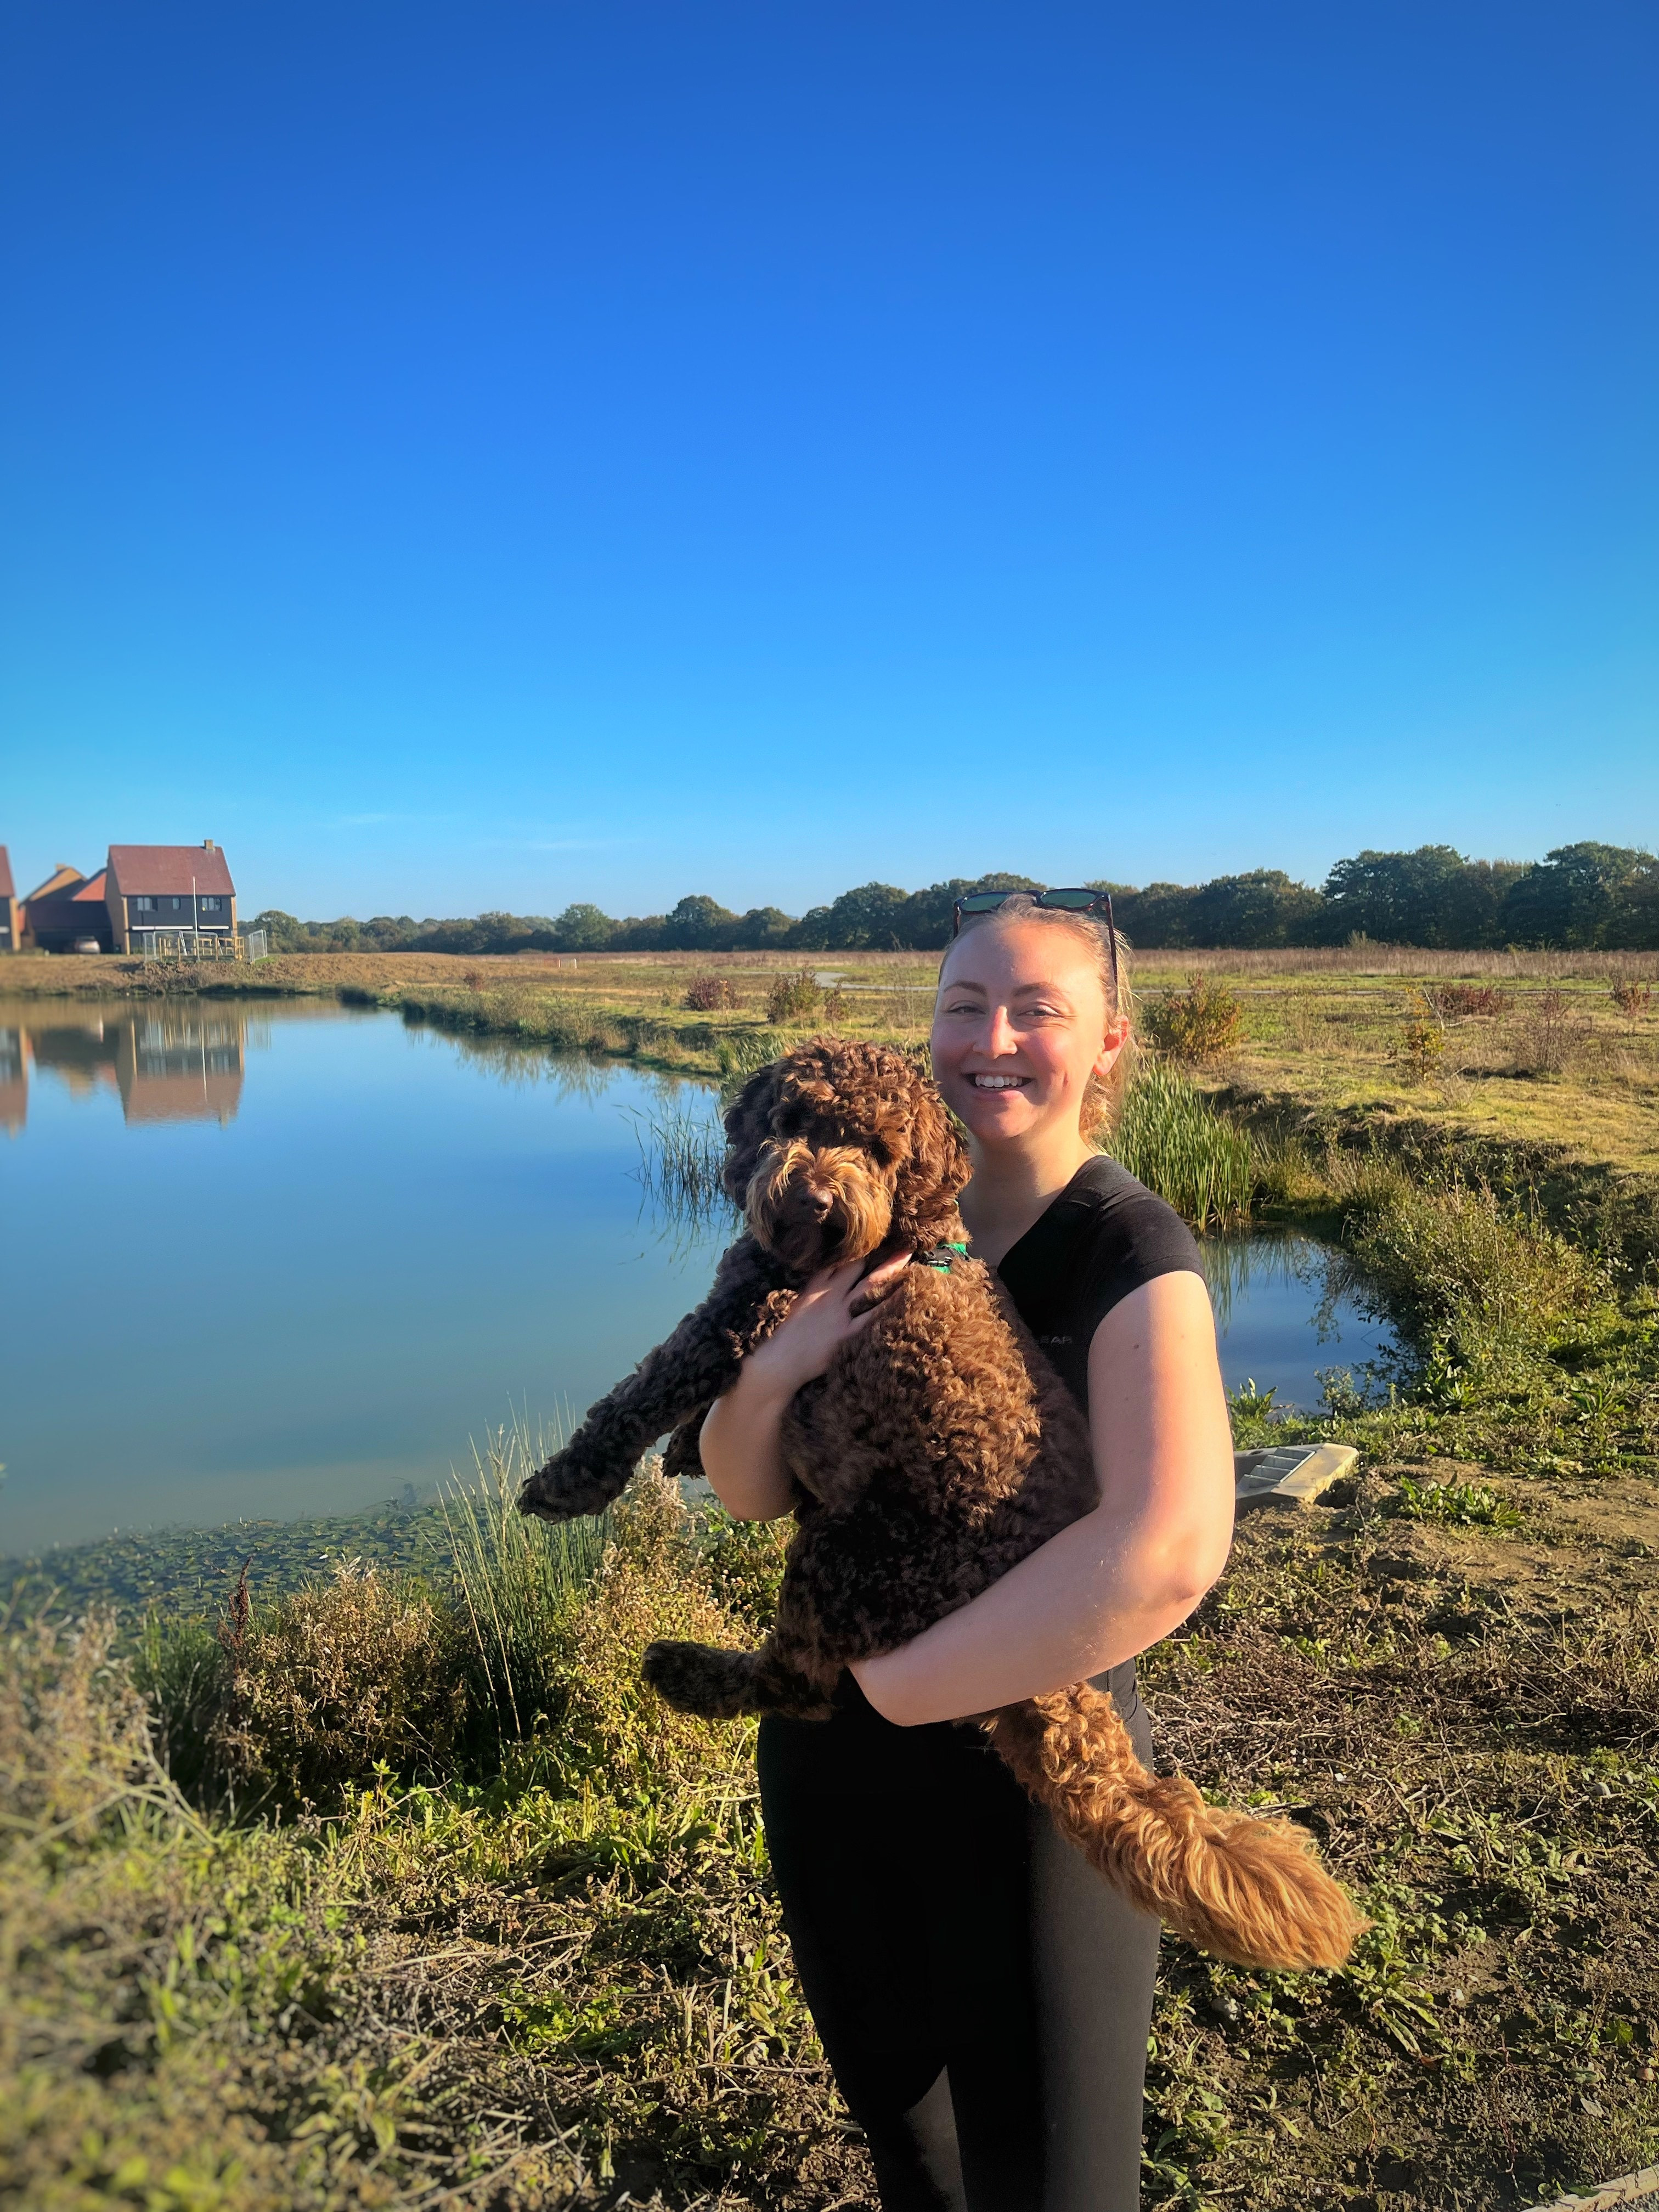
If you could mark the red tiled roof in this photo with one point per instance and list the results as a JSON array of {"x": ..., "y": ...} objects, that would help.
[
  {"x": 92, "y": 890},
  {"x": 7, "y": 890},
  {"x": 150, "y": 868}
]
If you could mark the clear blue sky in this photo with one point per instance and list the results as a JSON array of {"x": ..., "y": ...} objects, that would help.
[{"x": 464, "y": 455}]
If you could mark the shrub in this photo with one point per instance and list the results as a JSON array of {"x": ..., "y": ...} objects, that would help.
[
  {"x": 362, "y": 1671},
  {"x": 793, "y": 999},
  {"x": 655, "y": 1582},
  {"x": 1483, "y": 1285},
  {"x": 1204, "y": 1022},
  {"x": 1422, "y": 1042},
  {"x": 1171, "y": 1137},
  {"x": 707, "y": 994},
  {"x": 1554, "y": 1033},
  {"x": 1632, "y": 999},
  {"x": 1462, "y": 1002}
]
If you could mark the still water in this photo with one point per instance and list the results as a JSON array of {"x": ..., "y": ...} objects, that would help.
[{"x": 287, "y": 1262}]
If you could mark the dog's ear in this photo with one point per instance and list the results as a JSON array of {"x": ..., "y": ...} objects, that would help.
[
  {"x": 937, "y": 1165},
  {"x": 748, "y": 1126}
]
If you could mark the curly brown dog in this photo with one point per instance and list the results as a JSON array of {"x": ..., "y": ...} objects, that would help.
[{"x": 940, "y": 1448}]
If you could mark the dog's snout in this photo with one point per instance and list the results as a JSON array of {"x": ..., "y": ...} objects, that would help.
[{"x": 819, "y": 1202}]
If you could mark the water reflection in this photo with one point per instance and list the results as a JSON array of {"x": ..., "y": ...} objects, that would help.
[
  {"x": 165, "y": 1062},
  {"x": 1293, "y": 1316}
]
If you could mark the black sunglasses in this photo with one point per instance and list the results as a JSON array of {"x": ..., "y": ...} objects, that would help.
[{"x": 1069, "y": 902}]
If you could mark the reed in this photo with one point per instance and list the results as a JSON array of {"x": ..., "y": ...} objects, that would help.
[
  {"x": 515, "y": 1580},
  {"x": 1175, "y": 1141},
  {"x": 681, "y": 1153}
]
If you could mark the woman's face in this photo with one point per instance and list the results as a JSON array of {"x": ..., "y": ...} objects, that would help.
[{"x": 1019, "y": 1026}]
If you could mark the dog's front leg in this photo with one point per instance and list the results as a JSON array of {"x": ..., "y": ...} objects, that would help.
[{"x": 677, "y": 1380}]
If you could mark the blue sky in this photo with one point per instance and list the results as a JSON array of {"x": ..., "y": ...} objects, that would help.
[{"x": 480, "y": 455}]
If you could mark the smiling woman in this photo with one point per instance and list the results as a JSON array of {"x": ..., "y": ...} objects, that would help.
[{"x": 983, "y": 1996}]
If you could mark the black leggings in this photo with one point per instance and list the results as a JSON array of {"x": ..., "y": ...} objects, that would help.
[{"x": 981, "y": 1995}]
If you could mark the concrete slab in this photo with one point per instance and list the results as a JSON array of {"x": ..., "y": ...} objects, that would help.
[{"x": 1295, "y": 1471}]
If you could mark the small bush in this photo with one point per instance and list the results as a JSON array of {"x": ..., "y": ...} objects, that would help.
[
  {"x": 1554, "y": 1033},
  {"x": 1462, "y": 1002},
  {"x": 1171, "y": 1137},
  {"x": 1204, "y": 1022},
  {"x": 1422, "y": 1044},
  {"x": 1632, "y": 999},
  {"x": 793, "y": 999},
  {"x": 655, "y": 1582},
  {"x": 707, "y": 994},
  {"x": 362, "y": 1671}
]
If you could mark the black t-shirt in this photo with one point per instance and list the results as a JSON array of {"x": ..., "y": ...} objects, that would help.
[{"x": 1103, "y": 1236}]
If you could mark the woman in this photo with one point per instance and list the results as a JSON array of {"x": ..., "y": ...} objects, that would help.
[{"x": 983, "y": 1996}]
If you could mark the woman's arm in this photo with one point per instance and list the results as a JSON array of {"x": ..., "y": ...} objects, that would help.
[
  {"x": 740, "y": 1445},
  {"x": 1126, "y": 1574}
]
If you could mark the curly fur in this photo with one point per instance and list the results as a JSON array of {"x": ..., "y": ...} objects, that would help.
[{"x": 939, "y": 1449}]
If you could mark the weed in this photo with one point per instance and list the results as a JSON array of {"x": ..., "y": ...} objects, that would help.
[
  {"x": 1455, "y": 1504},
  {"x": 1632, "y": 999},
  {"x": 1204, "y": 1022},
  {"x": 1462, "y": 1002}
]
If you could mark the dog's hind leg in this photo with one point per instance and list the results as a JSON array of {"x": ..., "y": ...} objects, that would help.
[
  {"x": 696, "y": 1678},
  {"x": 1247, "y": 1890}
]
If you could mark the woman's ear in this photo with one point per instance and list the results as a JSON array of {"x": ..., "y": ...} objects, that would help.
[{"x": 1117, "y": 1036}]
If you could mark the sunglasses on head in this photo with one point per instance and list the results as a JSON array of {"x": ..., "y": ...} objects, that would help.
[{"x": 1080, "y": 900}]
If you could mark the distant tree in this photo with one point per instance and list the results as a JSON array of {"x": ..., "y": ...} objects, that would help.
[
  {"x": 865, "y": 920},
  {"x": 924, "y": 925},
  {"x": 698, "y": 924},
  {"x": 763, "y": 927},
  {"x": 1262, "y": 908},
  {"x": 283, "y": 932},
  {"x": 583, "y": 929},
  {"x": 1398, "y": 898},
  {"x": 1581, "y": 895}
]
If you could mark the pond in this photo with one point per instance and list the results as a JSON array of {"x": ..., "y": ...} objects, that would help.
[{"x": 283, "y": 1258}]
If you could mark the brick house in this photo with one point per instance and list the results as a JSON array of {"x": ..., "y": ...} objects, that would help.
[
  {"x": 11, "y": 922},
  {"x": 66, "y": 910},
  {"x": 168, "y": 887}
]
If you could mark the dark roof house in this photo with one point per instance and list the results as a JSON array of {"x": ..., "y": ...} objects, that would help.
[
  {"x": 11, "y": 922},
  {"x": 168, "y": 887}
]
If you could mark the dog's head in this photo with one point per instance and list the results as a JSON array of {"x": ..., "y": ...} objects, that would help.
[{"x": 839, "y": 1148}]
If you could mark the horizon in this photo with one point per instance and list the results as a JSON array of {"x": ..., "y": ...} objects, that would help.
[{"x": 501, "y": 458}]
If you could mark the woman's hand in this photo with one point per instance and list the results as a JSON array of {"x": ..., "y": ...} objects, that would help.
[
  {"x": 740, "y": 1446},
  {"x": 836, "y": 1305}
]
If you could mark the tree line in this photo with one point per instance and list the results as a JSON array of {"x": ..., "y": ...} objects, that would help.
[{"x": 1577, "y": 896}]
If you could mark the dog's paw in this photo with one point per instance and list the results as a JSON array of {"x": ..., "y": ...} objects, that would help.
[{"x": 543, "y": 1496}]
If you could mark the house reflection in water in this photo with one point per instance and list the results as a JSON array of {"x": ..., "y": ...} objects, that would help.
[{"x": 166, "y": 1064}]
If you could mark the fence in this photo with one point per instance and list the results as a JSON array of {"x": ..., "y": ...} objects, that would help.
[{"x": 189, "y": 944}]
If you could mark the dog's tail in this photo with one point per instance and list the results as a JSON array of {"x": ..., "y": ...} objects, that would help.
[
  {"x": 1248, "y": 1890},
  {"x": 696, "y": 1678}
]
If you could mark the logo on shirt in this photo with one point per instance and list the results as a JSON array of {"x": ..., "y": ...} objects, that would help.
[{"x": 1055, "y": 1340}]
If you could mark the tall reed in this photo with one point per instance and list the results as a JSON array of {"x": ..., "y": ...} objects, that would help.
[
  {"x": 1174, "y": 1140},
  {"x": 515, "y": 1578}
]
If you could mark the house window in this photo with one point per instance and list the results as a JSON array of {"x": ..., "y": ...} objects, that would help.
[
  {"x": 209, "y": 906},
  {"x": 177, "y": 904},
  {"x": 144, "y": 905}
]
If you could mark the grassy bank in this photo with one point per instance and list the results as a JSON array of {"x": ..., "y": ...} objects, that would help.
[
  {"x": 1530, "y": 1047},
  {"x": 387, "y": 1885}
]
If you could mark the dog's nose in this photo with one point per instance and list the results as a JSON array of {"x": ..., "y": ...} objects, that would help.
[{"x": 819, "y": 1202}]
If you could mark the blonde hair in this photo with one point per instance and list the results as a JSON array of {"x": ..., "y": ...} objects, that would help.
[{"x": 1102, "y": 1100}]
